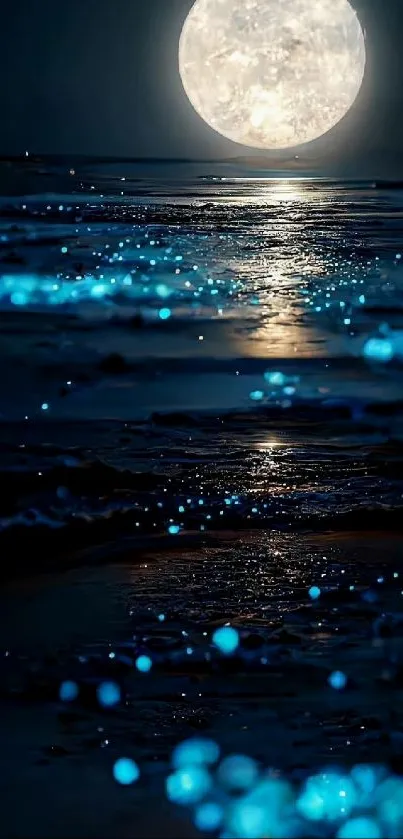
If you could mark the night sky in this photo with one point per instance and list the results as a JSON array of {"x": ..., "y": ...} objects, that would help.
[{"x": 101, "y": 77}]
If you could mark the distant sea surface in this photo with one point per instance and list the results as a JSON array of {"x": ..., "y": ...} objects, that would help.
[{"x": 191, "y": 348}]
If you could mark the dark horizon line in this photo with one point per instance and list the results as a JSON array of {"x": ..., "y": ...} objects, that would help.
[{"x": 248, "y": 160}]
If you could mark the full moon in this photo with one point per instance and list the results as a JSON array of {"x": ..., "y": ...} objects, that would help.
[{"x": 272, "y": 74}]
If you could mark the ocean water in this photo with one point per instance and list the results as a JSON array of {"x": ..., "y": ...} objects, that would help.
[
  {"x": 201, "y": 412},
  {"x": 185, "y": 351}
]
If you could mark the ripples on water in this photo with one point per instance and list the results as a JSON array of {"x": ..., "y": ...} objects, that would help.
[
  {"x": 183, "y": 351},
  {"x": 201, "y": 381}
]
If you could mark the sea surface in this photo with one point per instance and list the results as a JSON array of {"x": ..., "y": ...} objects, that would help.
[
  {"x": 201, "y": 410},
  {"x": 203, "y": 351}
]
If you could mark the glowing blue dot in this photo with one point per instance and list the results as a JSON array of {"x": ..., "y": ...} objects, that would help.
[
  {"x": 45, "y": 406},
  {"x": 162, "y": 290},
  {"x": 161, "y": 617},
  {"x": 126, "y": 771},
  {"x": 360, "y": 828},
  {"x": 256, "y": 395},
  {"x": 208, "y": 816},
  {"x": 19, "y": 298},
  {"x": 378, "y": 349},
  {"x": 366, "y": 779},
  {"x": 64, "y": 250},
  {"x": 238, "y": 772},
  {"x": 249, "y": 820},
  {"x": 314, "y": 592},
  {"x": 181, "y": 509},
  {"x": 189, "y": 785},
  {"x": 164, "y": 314},
  {"x": 362, "y": 298},
  {"x": 99, "y": 290},
  {"x": 226, "y": 639},
  {"x": 275, "y": 378},
  {"x": 173, "y": 529},
  {"x": 108, "y": 694},
  {"x": 328, "y": 796},
  {"x": 144, "y": 663},
  {"x": 390, "y": 797},
  {"x": 195, "y": 752},
  {"x": 337, "y": 680},
  {"x": 68, "y": 691}
]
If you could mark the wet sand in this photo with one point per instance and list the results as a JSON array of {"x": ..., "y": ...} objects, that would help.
[{"x": 55, "y": 758}]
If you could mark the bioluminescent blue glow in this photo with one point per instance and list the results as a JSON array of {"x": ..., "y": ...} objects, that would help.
[
  {"x": 108, "y": 694},
  {"x": 366, "y": 802},
  {"x": 226, "y": 639},
  {"x": 327, "y": 797},
  {"x": 378, "y": 349},
  {"x": 275, "y": 378},
  {"x": 360, "y": 828},
  {"x": 238, "y": 772},
  {"x": 249, "y": 820},
  {"x": 366, "y": 779},
  {"x": 337, "y": 680},
  {"x": 126, "y": 771},
  {"x": 164, "y": 313},
  {"x": 188, "y": 785},
  {"x": 68, "y": 691},
  {"x": 256, "y": 395},
  {"x": 195, "y": 752},
  {"x": 314, "y": 592},
  {"x": 208, "y": 816},
  {"x": 389, "y": 798},
  {"x": 174, "y": 529},
  {"x": 144, "y": 663}
]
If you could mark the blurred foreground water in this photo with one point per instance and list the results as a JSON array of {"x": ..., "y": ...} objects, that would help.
[{"x": 201, "y": 399}]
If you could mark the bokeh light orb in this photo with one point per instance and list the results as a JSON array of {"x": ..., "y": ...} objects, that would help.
[
  {"x": 238, "y": 772},
  {"x": 126, "y": 771},
  {"x": 68, "y": 691},
  {"x": 144, "y": 663},
  {"x": 188, "y": 785},
  {"x": 108, "y": 694},
  {"x": 196, "y": 751},
  {"x": 226, "y": 639},
  {"x": 272, "y": 74}
]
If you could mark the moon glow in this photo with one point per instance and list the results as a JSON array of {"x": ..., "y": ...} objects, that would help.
[{"x": 272, "y": 74}]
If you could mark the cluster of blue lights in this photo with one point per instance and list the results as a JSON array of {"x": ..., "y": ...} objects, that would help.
[
  {"x": 140, "y": 267},
  {"x": 236, "y": 798},
  {"x": 278, "y": 387}
]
